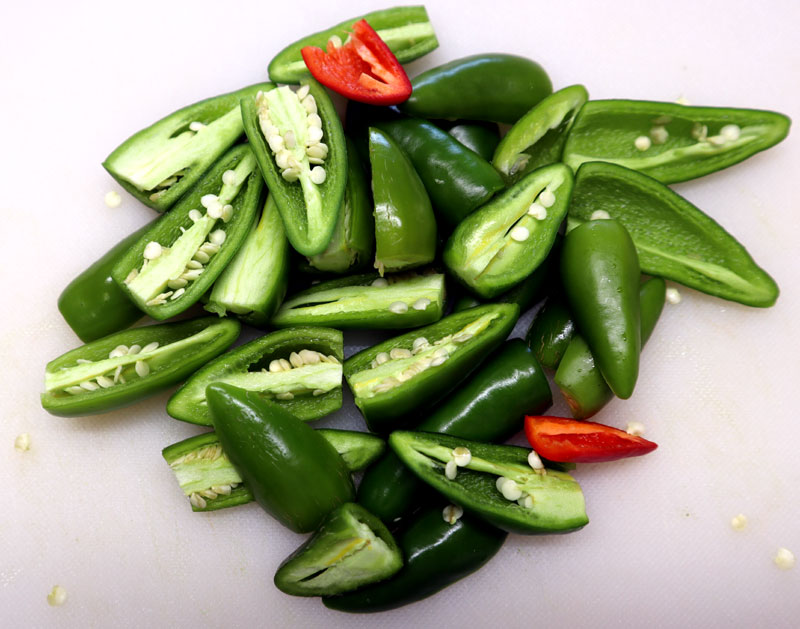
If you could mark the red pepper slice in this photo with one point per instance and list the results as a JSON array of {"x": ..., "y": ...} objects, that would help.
[
  {"x": 363, "y": 69},
  {"x": 573, "y": 441}
]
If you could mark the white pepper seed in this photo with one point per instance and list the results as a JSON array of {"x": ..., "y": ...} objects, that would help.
[
  {"x": 195, "y": 215},
  {"x": 421, "y": 304},
  {"x": 451, "y": 470},
  {"x": 547, "y": 198},
  {"x": 134, "y": 349},
  {"x": 313, "y": 120},
  {"x": 635, "y": 428},
  {"x": 452, "y": 513},
  {"x": 539, "y": 212},
  {"x": 142, "y": 368},
  {"x": 177, "y": 283},
  {"x": 335, "y": 41},
  {"x": 520, "y": 233},
  {"x": 382, "y": 357},
  {"x": 438, "y": 361},
  {"x": 309, "y": 357},
  {"x": 57, "y": 596},
  {"x": 295, "y": 359},
  {"x": 526, "y": 501},
  {"x": 285, "y": 396},
  {"x": 310, "y": 104},
  {"x": 104, "y": 382},
  {"x": 398, "y": 307},
  {"x": 196, "y": 126},
  {"x": 289, "y": 139},
  {"x": 89, "y": 385},
  {"x": 229, "y": 178},
  {"x": 131, "y": 276},
  {"x": 716, "y": 140},
  {"x": 642, "y": 143},
  {"x": 534, "y": 461},
  {"x": 178, "y": 293},
  {"x": 315, "y": 152},
  {"x": 150, "y": 347},
  {"x": 699, "y": 132},
  {"x": 739, "y": 522},
  {"x": 463, "y": 337},
  {"x": 399, "y": 352},
  {"x": 730, "y": 132},
  {"x": 380, "y": 283},
  {"x": 318, "y": 175},
  {"x": 197, "y": 501},
  {"x": 462, "y": 456},
  {"x": 784, "y": 559},
  {"x": 290, "y": 175},
  {"x": 152, "y": 250},
  {"x": 659, "y": 135},
  {"x": 302, "y": 91},
  {"x": 600, "y": 215},
  {"x": 208, "y": 200},
  {"x": 287, "y": 366},
  {"x": 112, "y": 199},
  {"x": 314, "y": 135},
  {"x": 23, "y": 442},
  {"x": 119, "y": 350},
  {"x": 275, "y": 142},
  {"x": 227, "y": 212},
  {"x": 275, "y": 366},
  {"x": 419, "y": 343},
  {"x": 673, "y": 295},
  {"x": 510, "y": 490},
  {"x": 75, "y": 390},
  {"x": 317, "y": 392}
]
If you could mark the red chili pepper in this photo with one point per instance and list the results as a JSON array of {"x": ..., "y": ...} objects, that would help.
[
  {"x": 569, "y": 440},
  {"x": 363, "y": 69}
]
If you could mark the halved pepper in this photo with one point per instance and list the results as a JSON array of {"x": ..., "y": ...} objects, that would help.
[
  {"x": 495, "y": 483},
  {"x": 487, "y": 407},
  {"x": 412, "y": 371},
  {"x": 177, "y": 259},
  {"x": 128, "y": 366},
  {"x": 674, "y": 239},
  {"x": 367, "y": 302},
  {"x": 551, "y": 331},
  {"x": 351, "y": 549},
  {"x": 298, "y": 368},
  {"x": 159, "y": 164},
  {"x": 503, "y": 242},
  {"x": 667, "y": 141},
  {"x": 294, "y": 473},
  {"x": 210, "y": 481},
  {"x": 405, "y": 228},
  {"x": 299, "y": 144}
]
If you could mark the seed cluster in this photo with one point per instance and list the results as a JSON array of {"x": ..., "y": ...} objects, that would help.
[
  {"x": 297, "y": 360},
  {"x": 659, "y": 134},
  {"x": 105, "y": 381},
  {"x": 207, "y": 454},
  {"x": 170, "y": 181}
]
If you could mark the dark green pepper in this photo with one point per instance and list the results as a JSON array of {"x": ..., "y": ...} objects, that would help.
[
  {"x": 351, "y": 549},
  {"x": 481, "y": 137},
  {"x": 503, "y": 242},
  {"x": 495, "y": 483},
  {"x": 406, "y": 30},
  {"x": 131, "y": 365},
  {"x": 405, "y": 228},
  {"x": 600, "y": 274},
  {"x": 577, "y": 376},
  {"x": 298, "y": 141},
  {"x": 437, "y": 553},
  {"x": 92, "y": 304},
  {"x": 550, "y": 332},
  {"x": 298, "y": 369},
  {"x": 159, "y": 164},
  {"x": 495, "y": 87},
  {"x": 667, "y": 141},
  {"x": 674, "y": 239},
  {"x": 409, "y": 372},
  {"x": 295, "y": 474},
  {"x": 367, "y": 302},
  {"x": 488, "y": 407},
  {"x": 177, "y": 259}
]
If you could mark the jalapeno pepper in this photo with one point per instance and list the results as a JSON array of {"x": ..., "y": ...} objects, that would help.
[
  {"x": 551, "y": 331},
  {"x": 537, "y": 139},
  {"x": 487, "y": 407},
  {"x": 294, "y": 473},
  {"x": 667, "y": 141},
  {"x": 495, "y": 87},
  {"x": 481, "y": 137},
  {"x": 414, "y": 370},
  {"x": 578, "y": 377},
  {"x": 406, "y": 30},
  {"x": 367, "y": 302},
  {"x": 159, "y": 164},
  {"x": 298, "y": 369},
  {"x": 128, "y": 366},
  {"x": 211, "y": 482},
  {"x": 673, "y": 238},
  {"x": 175, "y": 262},
  {"x": 405, "y": 228},
  {"x": 437, "y": 553},
  {"x": 503, "y": 242},
  {"x": 496, "y": 483},
  {"x": 92, "y": 304},
  {"x": 600, "y": 273},
  {"x": 300, "y": 148}
]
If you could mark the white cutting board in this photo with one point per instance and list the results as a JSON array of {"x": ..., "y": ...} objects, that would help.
[{"x": 93, "y": 507}]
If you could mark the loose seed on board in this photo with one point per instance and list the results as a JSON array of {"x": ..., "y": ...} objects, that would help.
[
  {"x": 635, "y": 428},
  {"x": 23, "y": 442},
  {"x": 784, "y": 559},
  {"x": 673, "y": 295},
  {"x": 739, "y": 522},
  {"x": 57, "y": 596},
  {"x": 112, "y": 199}
]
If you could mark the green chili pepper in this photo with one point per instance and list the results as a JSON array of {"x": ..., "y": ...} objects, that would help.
[
  {"x": 457, "y": 179},
  {"x": 495, "y": 87},
  {"x": 405, "y": 228},
  {"x": 297, "y": 368},
  {"x": 406, "y": 30},
  {"x": 211, "y": 482},
  {"x": 670, "y": 142},
  {"x": 600, "y": 273},
  {"x": 128, "y": 366},
  {"x": 92, "y": 304},
  {"x": 550, "y": 332},
  {"x": 299, "y": 144},
  {"x": 367, "y": 302},
  {"x": 294, "y": 473},
  {"x": 416, "y": 369},
  {"x": 537, "y": 139},
  {"x": 481, "y": 137},
  {"x": 503, "y": 242},
  {"x": 177, "y": 259},
  {"x": 577, "y": 376},
  {"x": 674, "y": 239},
  {"x": 351, "y": 549},
  {"x": 488, "y": 407},
  {"x": 159, "y": 164},
  {"x": 353, "y": 239},
  {"x": 437, "y": 554},
  {"x": 493, "y": 482}
]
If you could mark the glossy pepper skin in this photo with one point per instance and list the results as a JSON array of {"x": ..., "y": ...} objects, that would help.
[
  {"x": 600, "y": 274},
  {"x": 92, "y": 304},
  {"x": 114, "y": 382},
  {"x": 457, "y": 179},
  {"x": 551, "y": 331},
  {"x": 294, "y": 473},
  {"x": 487, "y": 407},
  {"x": 405, "y": 227},
  {"x": 578, "y": 377},
  {"x": 481, "y": 137},
  {"x": 437, "y": 554},
  {"x": 496, "y": 87},
  {"x": 460, "y": 342}
]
